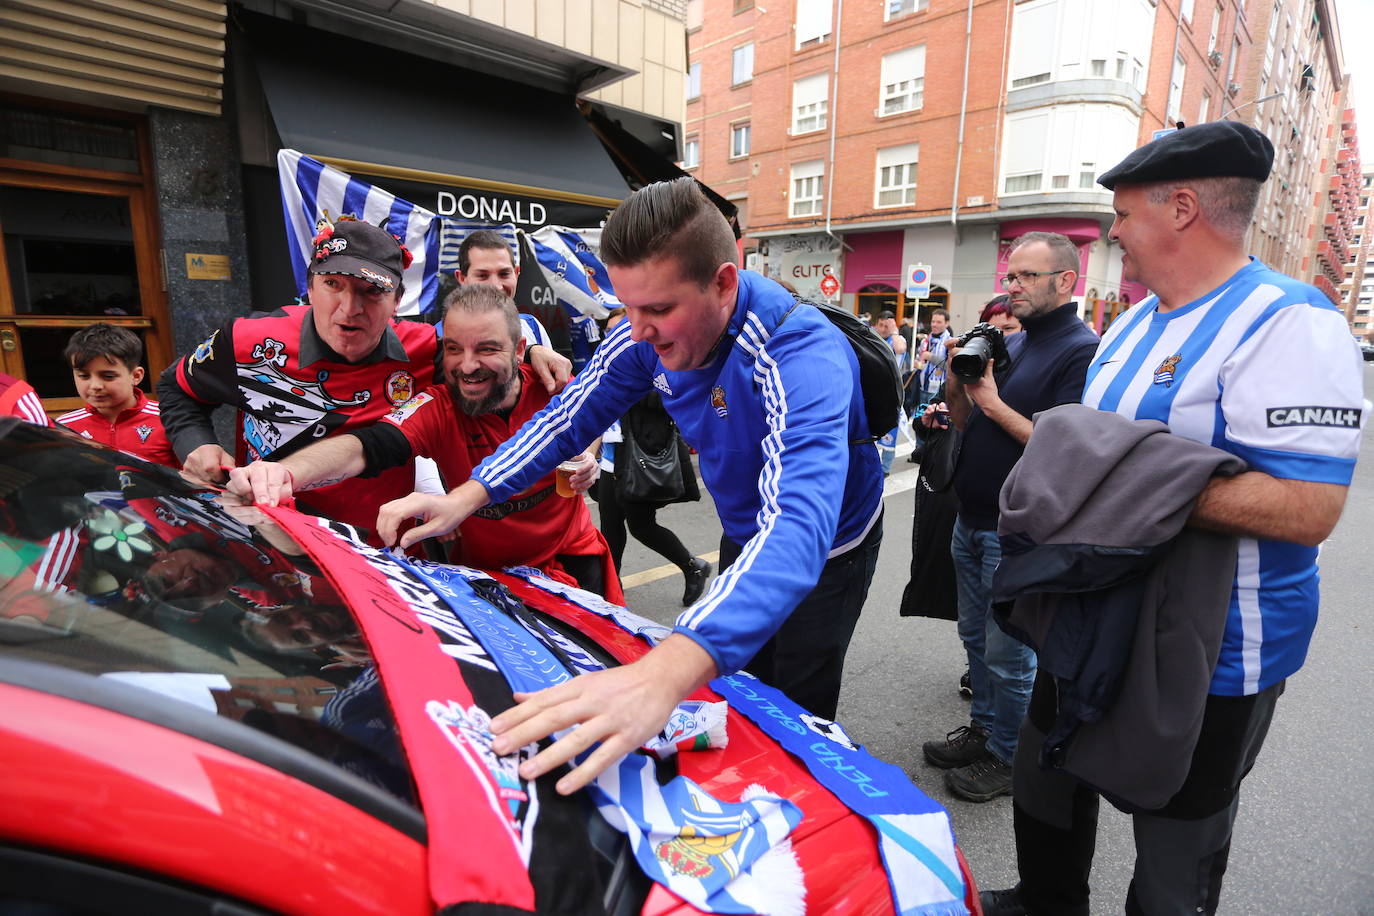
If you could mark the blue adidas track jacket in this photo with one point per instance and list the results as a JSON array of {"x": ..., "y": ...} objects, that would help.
[{"x": 773, "y": 417}]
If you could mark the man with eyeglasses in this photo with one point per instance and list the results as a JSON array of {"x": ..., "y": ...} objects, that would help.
[{"x": 1049, "y": 362}]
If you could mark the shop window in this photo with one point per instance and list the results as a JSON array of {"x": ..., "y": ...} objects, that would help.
[{"x": 78, "y": 244}]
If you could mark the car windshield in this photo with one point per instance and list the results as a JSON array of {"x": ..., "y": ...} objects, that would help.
[{"x": 121, "y": 570}]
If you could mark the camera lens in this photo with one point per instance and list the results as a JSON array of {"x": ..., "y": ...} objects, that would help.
[{"x": 972, "y": 359}]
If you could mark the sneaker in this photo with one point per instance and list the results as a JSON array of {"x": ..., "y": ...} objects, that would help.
[
  {"x": 696, "y": 574},
  {"x": 1002, "y": 903},
  {"x": 961, "y": 747},
  {"x": 980, "y": 781},
  {"x": 965, "y": 686}
]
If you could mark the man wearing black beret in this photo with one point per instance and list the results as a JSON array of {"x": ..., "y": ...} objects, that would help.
[{"x": 1238, "y": 356}]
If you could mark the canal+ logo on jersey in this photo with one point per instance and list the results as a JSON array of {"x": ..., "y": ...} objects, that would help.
[{"x": 1338, "y": 417}]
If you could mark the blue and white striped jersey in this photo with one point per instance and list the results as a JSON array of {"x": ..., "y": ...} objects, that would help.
[
  {"x": 1263, "y": 367},
  {"x": 778, "y": 421}
]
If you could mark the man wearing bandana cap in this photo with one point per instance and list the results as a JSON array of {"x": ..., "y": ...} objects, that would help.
[
  {"x": 303, "y": 372},
  {"x": 1236, "y": 355}
]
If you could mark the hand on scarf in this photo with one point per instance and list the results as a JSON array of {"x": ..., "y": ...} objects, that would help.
[{"x": 620, "y": 708}]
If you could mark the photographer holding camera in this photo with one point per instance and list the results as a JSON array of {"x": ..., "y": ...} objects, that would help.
[{"x": 993, "y": 388}]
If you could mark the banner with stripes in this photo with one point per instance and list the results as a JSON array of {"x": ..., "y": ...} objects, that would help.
[{"x": 311, "y": 190}]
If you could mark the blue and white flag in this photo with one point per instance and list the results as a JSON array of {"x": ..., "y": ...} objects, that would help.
[
  {"x": 568, "y": 259},
  {"x": 454, "y": 231},
  {"x": 311, "y": 190},
  {"x": 721, "y": 857}
]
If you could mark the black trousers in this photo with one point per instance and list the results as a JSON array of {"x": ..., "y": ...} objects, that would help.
[
  {"x": 642, "y": 520},
  {"x": 805, "y": 657},
  {"x": 1181, "y": 849}
]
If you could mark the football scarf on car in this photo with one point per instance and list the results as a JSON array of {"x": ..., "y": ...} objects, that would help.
[
  {"x": 915, "y": 838},
  {"x": 722, "y": 857}
]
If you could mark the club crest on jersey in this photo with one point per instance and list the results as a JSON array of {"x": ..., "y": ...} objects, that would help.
[
  {"x": 143, "y": 432},
  {"x": 1164, "y": 373},
  {"x": 470, "y": 731},
  {"x": 718, "y": 401},
  {"x": 85, "y": 434},
  {"x": 206, "y": 350},
  {"x": 400, "y": 387},
  {"x": 661, "y": 383},
  {"x": 271, "y": 351}
]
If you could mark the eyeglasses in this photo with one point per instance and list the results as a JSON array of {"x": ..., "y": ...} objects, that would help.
[{"x": 1025, "y": 276}]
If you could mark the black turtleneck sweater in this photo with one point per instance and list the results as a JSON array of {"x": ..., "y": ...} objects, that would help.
[{"x": 1049, "y": 363}]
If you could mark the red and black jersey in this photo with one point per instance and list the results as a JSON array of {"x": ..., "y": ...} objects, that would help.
[
  {"x": 137, "y": 430},
  {"x": 291, "y": 389}
]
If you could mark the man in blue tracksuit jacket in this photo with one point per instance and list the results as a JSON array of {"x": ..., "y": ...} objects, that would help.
[{"x": 768, "y": 392}]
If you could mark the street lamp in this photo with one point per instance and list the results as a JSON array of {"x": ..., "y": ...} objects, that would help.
[{"x": 1248, "y": 104}]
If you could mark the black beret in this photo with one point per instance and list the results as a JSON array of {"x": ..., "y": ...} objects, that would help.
[{"x": 1217, "y": 149}]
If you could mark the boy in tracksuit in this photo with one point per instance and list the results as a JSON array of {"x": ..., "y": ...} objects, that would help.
[{"x": 105, "y": 361}]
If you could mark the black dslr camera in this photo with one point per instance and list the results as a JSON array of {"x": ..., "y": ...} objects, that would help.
[{"x": 982, "y": 343}]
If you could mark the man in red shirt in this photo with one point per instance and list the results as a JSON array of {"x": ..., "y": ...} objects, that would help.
[
  {"x": 486, "y": 395},
  {"x": 106, "y": 367}
]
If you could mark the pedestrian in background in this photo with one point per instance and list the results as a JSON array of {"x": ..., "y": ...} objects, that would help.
[{"x": 1048, "y": 363}]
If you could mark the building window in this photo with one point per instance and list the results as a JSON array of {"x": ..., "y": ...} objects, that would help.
[
  {"x": 1171, "y": 110},
  {"x": 809, "y": 103},
  {"x": 903, "y": 80},
  {"x": 1186, "y": 9},
  {"x": 1059, "y": 182},
  {"x": 1018, "y": 184},
  {"x": 1205, "y": 108},
  {"x": 1235, "y": 61},
  {"x": 743, "y": 5},
  {"x": 1087, "y": 177},
  {"x": 739, "y": 140},
  {"x": 1216, "y": 29},
  {"x": 742, "y": 64},
  {"x": 813, "y": 22},
  {"x": 806, "y": 188},
  {"x": 897, "y": 175},
  {"x": 691, "y": 153},
  {"x": 693, "y": 81},
  {"x": 895, "y": 9},
  {"x": 1034, "y": 37},
  {"x": 1098, "y": 67}
]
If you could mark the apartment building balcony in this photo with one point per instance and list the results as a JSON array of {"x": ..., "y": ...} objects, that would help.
[
  {"x": 1064, "y": 92},
  {"x": 1322, "y": 283}
]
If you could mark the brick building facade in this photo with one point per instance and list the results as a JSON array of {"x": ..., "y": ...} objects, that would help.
[{"x": 860, "y": 138}]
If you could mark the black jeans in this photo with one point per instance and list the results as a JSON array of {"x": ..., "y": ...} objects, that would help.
[
  {"x": 643, "y": 523},
  {"x": 1181, "y": 849},
  {"x": 805, "y": 657}
]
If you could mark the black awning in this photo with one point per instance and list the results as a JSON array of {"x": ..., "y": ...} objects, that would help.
[
  {"x": 346, "y": 99},
  {"x": 641, "y": 163}
]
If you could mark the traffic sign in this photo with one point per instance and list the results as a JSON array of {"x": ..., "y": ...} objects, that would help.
[
  {"x": 830, "y": 286},
  {"x": 1162, "y": 132},
  {"x": 918, "y": 281}
]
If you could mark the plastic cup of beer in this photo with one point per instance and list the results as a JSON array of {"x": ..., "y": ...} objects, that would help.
[{"x": 563, "y": 483}]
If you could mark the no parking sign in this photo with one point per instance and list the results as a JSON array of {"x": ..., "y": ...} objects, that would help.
[{"x": 918, "y": 281}]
